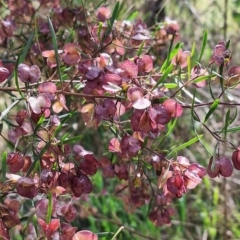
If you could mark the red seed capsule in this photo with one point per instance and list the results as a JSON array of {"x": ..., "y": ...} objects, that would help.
[{"x": 236, "y": 159}]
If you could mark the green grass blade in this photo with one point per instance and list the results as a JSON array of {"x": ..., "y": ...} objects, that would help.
[
  {"x": 7, "y": 110},
  {"x": 228, "y": 44},
  {"x": 55, "y": 47},
  {"x": 100, "y": 4},
  {"x": 29, "y": 220},
  {"x": 226, "y": 123},
  {"x": 194, "y": 117},
  {"x": 210, "y": 90},
  {"x": 71, "y": 36},
  {"x": 4, "y": 166},
  {"x": 189, "y": 67},
  {"x": 105, "y": 234},
  {"x": 113, "y": 18},
  {"x": 121, "y": 9},
  {"x": 50, "y": 207},
  {"x": 193, "y": 48},
  {"x": 140, "y": 48},
  {"x": 132, "y": 16},
  {"x": 48, "y": 143},
  {"x": 25, "y": 50},
  {"x": 171, "y": 54},
  {"x": 22, "y": 55},
  {"x": 165, "y": 64},
  {"x": 204, "y": 43}
]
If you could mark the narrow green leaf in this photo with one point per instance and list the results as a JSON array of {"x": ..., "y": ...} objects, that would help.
[
  {"x": 170, "y": 129},
  {"x": 199, "y": 139},
  {"x": 37, "y": 157},
  {"x": 226, "y": 123},
  {"x": 214, "y": 73},
  {"x": 194, "y": 117},
  {"x": 228, "y": 44},
  {"x": 210, "y": 88},
  {"x": 189, "y": 94},
  {"x": 7, "y": 110},
  {"x": 39, "y": 123},
  {"x": 171, "y": 54},
  {"x": 55, "y": 47},
  {"x": 62, "y": 123},
  {"x": 200, "y": 79},
  {"x": 233, "y": 129},
  {"x": 132, "y": 16},
  {"x": 50, "y": 207},
  {"x": 65, "y": 136},
  {"x": 186, "y": 144},
  {"x": 145, "y": 142},
  {"x": 189, "y": 67},
  {"x": 4, "y": 166},
  {"x": 99, "y": 30},
  {"x": 221, "y": 74},
  {"x": 146, "y": 164},
  {"x": 140, "y": 48},
  {"x": 72, "y": 140},
  {"x": 164, "y": 76},
  {"x": 204, "y": 43},
  {"x": 234, "y": 117},
  {"x": 170, "y": 85},
  {"x": 165, "y": 64},
  {"x": 212, "y": 109}
]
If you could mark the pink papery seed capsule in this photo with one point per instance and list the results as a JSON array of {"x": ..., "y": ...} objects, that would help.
[
  {"x": 26, "y": 187},
  {"x": 15, "y": 162},
  {"x": 175, "y": 185},
  {"x": 236, "y": 159},
  {"x": 223, "y": 166},
  {"x": 198, "y": 169}
]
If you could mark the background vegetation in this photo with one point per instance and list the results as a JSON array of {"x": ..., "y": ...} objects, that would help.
[{"x": 211, "y": 210}]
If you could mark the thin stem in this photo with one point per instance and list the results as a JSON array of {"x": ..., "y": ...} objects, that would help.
[
  {"x": 12, "y": 89},
  {"x": 118, "y": 231}
]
